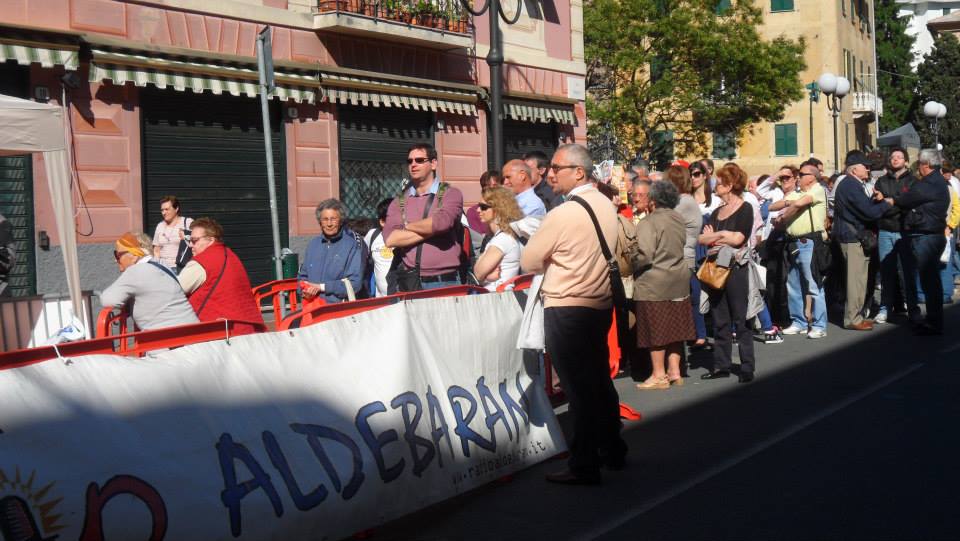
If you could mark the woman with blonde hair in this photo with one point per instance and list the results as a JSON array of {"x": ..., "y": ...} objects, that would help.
[
  {"x": 499, "y": 258},
  {"x": 151, "y": 290}
]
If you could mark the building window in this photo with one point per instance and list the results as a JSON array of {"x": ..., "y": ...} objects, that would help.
[
  {"x": 723, "y": 6},
  {"x": 659, "y": 66},
  {"x": 661, "y": 153},
  {"x": 724, "y": 145},
  {"x": 843, "y": 7},
  {"x": 781, "y": 5},
  {"x": 946, "y": 11},
  {"x": 785, "y": 138}
]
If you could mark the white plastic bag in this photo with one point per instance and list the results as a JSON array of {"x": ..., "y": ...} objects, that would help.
[
  {"x": 71, "y": 333},
  {"x": 945, "y": 255},
  {"x": 531, "y": 325}
]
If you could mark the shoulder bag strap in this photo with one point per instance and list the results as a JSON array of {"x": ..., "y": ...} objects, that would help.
[
  {"x": 215, "y": 283},
  {"x": 164, "y": 269},
  {"x": 596, "y": 224}
]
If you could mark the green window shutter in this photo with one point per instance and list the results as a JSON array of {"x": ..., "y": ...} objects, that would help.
[
  {"x": 781, "y": 5},
  {"x": 724, "y": 146},
  {"x": 723, "y": 6},
  {"x": 659, "y": 66},
  {"x": 785, "y": 139}
]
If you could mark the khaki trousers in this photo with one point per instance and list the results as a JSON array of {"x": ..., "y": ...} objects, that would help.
[{"x": 857, "y": 266}]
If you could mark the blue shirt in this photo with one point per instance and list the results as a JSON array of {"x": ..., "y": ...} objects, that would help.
[
  {"x": 434, "y": 188},
  {"x": 328, "y": 260},
  {"x": 530, "y": 203}
]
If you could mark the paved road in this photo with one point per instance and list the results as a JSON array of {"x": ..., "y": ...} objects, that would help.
[{"x": 851, "y": 437}]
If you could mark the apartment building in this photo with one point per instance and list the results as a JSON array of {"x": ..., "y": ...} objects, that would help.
[
  {"x": 839, "y": 38},
  {"x": 162, "y": 99},
  {"x": 927, "y": 17}
]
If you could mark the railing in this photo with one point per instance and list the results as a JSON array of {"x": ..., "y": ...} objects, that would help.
[
  {"x": 867, "y": 103},
  {"x": 446, "y": 15},
  {"x": 25, "y": 321}
]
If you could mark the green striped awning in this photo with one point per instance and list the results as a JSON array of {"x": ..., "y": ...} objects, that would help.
[
  {"x": 356, "y": 90},
  {"x": 539, "y": 112},
  {"x": 122, "y": 68},
  {"x": 47, "y": 55}
]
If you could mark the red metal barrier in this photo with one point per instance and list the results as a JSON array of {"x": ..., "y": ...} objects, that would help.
[
  {"x": 142, "y": 342},
  {"x": 275, "y": 292},
  {"x": 517, "y": 283}
]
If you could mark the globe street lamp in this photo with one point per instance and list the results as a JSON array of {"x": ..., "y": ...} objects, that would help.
[
  {"x": 835, "y": 88},
  {"x": 934, "y": 111}
]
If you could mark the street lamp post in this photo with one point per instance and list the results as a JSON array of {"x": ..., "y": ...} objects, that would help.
[
  {"x": 495, "y": 63},
  {"x": 934, "y": 111},
  {"x": 835, "y": 88}
]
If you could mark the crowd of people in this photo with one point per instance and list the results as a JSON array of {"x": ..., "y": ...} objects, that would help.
[{"x": 699, "y": 251}]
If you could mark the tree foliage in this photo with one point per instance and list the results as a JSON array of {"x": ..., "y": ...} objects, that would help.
[
  {"x": 939, "y": 80},
  {"x": 895, "y": 79},
  {"x": 684, "y": 66}
]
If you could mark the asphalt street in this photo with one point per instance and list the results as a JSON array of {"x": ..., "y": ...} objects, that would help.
[{"x": 849, "y": 437}]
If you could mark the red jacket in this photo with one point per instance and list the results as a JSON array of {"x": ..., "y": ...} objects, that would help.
[{"x": 229, "y": 296}]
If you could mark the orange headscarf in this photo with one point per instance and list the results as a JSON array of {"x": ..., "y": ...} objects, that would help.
[{"x": 129, "y": 243}]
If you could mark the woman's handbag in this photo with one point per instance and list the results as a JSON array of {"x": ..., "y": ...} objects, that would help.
[
  {"x": 712, "y": 275},
  {"x": 184, "y": 253}
]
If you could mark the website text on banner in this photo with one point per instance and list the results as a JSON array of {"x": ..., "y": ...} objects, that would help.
[{"x": 315, "y": 433}]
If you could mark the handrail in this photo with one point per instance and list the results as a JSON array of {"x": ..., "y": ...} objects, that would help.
[
  {"x": 143, "y": 341},
  {"x": 108, "y": 317},
  {"x": 275, "y": 291}
]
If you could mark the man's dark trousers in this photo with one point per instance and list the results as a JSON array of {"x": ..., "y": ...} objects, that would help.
[
  {"x": 576, "y": 340},
  {"x": 923, "y": 257}
]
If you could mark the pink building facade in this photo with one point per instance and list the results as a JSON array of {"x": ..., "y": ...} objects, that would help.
[{"x": 163, "y": 104}]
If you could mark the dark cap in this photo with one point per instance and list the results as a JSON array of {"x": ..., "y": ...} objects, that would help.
[{"x": 857, "y": 158}]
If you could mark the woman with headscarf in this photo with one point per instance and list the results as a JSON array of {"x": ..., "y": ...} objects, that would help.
[{"x": 150, "y": 290}]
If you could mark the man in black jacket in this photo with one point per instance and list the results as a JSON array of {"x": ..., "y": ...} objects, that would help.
[
  {"x": 924, "y": 204},
  {"x": 888, "y": 241}
]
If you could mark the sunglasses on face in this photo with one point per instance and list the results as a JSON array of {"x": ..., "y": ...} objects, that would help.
[
  {"x": 194, "y": 240},
  {"x": 696, "y": 174},
  {"x": 484, "y": 206},
  {"x": 117, "y": 255},
  {"x": 411, "y": 161},
  {"x": 785, "y": 178}
]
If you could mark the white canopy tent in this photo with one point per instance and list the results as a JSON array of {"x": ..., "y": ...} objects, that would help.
[{"x": 30, "y": 127}]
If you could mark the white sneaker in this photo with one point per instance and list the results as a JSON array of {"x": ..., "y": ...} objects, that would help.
[
  {"x": 793, "y": 329},
  {"x": 881, "y": 317},
  {"x": 816, "y": 333}
]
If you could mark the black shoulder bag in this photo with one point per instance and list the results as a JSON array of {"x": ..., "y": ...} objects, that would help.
[
  {"x": 822, "y": 257},
  {"x": 184, "y": 253},
  {"x": 621, "y": 309},
  {"x": 399, "y": 277}
]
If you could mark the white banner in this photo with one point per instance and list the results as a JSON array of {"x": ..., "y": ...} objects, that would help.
[{"x": 312, "y": 434}]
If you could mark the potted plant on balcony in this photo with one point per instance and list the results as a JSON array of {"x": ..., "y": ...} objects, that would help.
[{"x": 426, "y": 12}]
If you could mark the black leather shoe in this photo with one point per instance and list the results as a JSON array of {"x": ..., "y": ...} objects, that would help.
[
  {"x": 613, "y": 463},
  {"x": 716, "y": 375},
  {"x": 745, "y": 377},
  {"x": 567, "y": 477},
  {"x": 926, "y": 329}
]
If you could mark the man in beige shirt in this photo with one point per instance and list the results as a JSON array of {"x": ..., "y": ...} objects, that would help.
[{"x": 578, "y": 312}]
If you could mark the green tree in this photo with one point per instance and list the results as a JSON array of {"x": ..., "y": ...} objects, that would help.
[
  {"x": 895, "y": 80},
  {"x": 681, "y": 69},
  {"x": 939, "y": 80}
]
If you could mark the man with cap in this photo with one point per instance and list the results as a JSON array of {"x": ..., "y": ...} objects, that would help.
[
  {"x": 150, "y": 290},
  {"x": 854, "y": 213}
]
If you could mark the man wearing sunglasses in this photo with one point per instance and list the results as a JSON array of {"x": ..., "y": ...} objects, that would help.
[
  {"x": 577, "y": 302},
  {"x": 423, "y": 225}
]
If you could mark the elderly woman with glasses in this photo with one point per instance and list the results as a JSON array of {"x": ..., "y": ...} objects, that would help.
[
  {"x": 661, "y": 286},
  {"x": 333, "y": 264},
  {"x": 150, "y": 290}
]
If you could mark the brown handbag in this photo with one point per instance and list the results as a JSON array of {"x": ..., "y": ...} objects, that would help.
[{"x": 712, "y": 275}]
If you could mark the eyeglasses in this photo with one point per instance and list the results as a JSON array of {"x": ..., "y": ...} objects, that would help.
[
  {"x": 193, "y": 240},
  {"x": 696, "y": 174},
  {"x": 484, "y": 206},
  {"x": 557, "y": 168},
  {"x": 411, "y": 161},
  {"x": 117, "y": 255},
  {"x": 785, "y": 178}
]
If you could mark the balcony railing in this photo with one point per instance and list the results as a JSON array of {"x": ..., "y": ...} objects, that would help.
[
  {"x": 445, "y": 16},
  {"x": 867, "y": 104}
]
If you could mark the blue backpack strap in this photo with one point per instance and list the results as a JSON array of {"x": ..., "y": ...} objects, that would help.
[{"x": 164, "y": 269}]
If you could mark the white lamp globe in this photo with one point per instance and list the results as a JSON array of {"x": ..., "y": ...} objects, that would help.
[
  {"x": 942, "y": 112},
  {"x": 843, "y": 87},
  {"x": 827, "y": 83},
  {"x": 939, "y": 146},
  {"x": 931, "y": 109}
]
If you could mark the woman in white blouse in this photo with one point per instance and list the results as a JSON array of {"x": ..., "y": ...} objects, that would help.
[{"x": 499, "y": 259}]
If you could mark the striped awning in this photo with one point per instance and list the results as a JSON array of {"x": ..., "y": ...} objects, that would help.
[
  {"x": 121, "y": 68},
  {"x": 527, "y": 111},
  {"x": 47, "y": 55},
  {"x": 357, "y": 90}
]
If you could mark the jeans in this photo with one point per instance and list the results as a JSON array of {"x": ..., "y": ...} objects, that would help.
[
  {"x": 437, "y": 285},
  {"x": 800, "y": 283},
  {"x": 698, "y": 322},
  {"x": 923, "y": 257},
  {"x": 891, "y": 253}
]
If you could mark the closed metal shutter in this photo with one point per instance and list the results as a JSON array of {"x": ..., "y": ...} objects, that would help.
[
  {"x": 16, "y": 192},
  {"x": 373, "y": 152},
  {"x": 207, "y": 150},
  {"x": 521, "y": 137}
]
